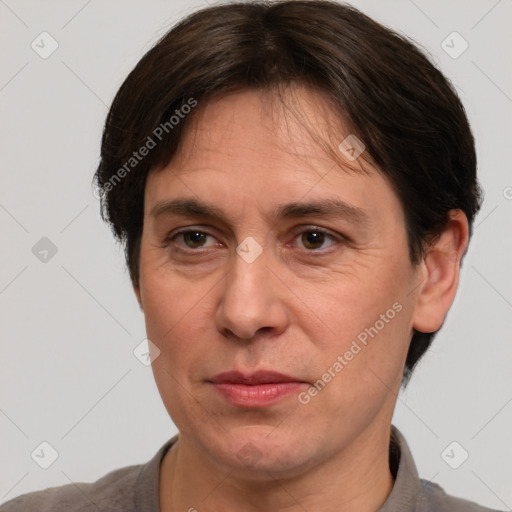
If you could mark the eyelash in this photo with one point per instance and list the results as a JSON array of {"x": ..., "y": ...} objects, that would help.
[{"x": 337, "y": 238}]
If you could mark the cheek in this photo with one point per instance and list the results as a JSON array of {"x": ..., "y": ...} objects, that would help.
[
  {"x": 365, "y": 342},
  {"x": 361, "y": 369},
  {"x": 178, "y": 316},
  {"x": 174, "y": 316},
  {"x": 350, "y": 304},
  {"x": 167, "y": 296}
]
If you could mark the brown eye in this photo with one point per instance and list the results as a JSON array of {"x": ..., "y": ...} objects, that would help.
[
  {"x": 313, "y": 239},
  {"x": 189, "y": 239},
  {"x": 196, "y": 238}
]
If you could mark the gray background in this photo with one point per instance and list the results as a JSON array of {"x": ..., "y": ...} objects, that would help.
[{"x": 69, "y": 325}]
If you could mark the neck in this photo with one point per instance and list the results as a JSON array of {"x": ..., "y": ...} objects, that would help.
[{"x": 356, "y": 479}]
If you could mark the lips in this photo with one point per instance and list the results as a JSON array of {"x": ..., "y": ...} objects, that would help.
[
  {"x": 253, "y": 379},
  {"x": 259, "y": 389}
]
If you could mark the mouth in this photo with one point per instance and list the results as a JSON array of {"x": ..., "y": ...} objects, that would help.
[{"x": 259, "y": 389}]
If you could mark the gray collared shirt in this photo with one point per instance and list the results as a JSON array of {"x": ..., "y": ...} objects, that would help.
[
  {"x": 412, "y": 494},
  {"x": 136, "y": 489}
]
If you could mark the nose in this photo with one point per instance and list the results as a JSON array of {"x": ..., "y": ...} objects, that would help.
[{"x": 252, "y": 300}]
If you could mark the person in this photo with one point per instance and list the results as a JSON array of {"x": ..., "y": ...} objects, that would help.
[{"x": 295, "y": 186}]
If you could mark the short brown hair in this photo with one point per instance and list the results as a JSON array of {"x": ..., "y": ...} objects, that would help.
[{"x": 394, "y": 98}]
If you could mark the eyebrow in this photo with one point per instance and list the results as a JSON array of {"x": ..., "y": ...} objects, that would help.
[{"x": 326, "y": 208}]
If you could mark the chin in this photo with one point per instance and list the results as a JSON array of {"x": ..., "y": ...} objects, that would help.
[{"x": 262, "y": 452}]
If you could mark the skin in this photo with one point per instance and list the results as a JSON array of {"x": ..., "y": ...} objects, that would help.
[{"x": 209, "y": 311}]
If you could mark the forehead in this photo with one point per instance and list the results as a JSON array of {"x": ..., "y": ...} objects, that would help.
[
  {"x": 257, "y": 147},
  {"x": 296, "y": 123}
]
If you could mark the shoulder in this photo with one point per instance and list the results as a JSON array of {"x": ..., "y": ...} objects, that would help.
[
  {"x": 111, "y": 493},
  {"x": 436, "y": 499}
]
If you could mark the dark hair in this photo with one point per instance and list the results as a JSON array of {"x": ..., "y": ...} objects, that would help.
[{"x": 394, "y": 99}]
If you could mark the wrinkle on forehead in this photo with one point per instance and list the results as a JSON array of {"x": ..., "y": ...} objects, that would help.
[{"x": 302, "y": 121}]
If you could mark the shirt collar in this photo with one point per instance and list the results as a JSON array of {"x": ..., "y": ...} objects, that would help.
[
  {"x": 404, "y": 495},
  {"x": 407, "y": 487},
  {"x": 147, "y": 486}
]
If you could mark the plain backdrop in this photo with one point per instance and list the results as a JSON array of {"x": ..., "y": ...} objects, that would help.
[{"x": 69, "y": 325}]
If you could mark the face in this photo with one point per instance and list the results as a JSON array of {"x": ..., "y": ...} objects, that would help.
[{"x": 277, "y": 286}]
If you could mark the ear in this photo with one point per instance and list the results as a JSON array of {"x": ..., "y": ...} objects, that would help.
[{"x": 439, "y": 272}]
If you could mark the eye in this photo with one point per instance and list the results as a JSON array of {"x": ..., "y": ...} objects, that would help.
[
  {"x": 314, "y": 238},
  {"x": 193, "y": 238}
]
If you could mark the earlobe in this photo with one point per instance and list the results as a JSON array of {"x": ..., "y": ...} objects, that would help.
[{"x": 440, "y": 269}]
